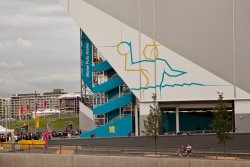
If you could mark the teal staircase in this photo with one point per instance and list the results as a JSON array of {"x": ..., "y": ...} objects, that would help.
[
  {"x": 111, "y": 98},
  {"x": 118, "y": 128},
  {"x": 114, "y": 104},
  {"x": 103, "y": 66},
  {"x": 109, "y": 85}
]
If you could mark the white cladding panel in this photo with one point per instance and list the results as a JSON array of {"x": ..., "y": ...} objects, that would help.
[
  {"x": 242, "y": 106},
  {"x": 144, "y": 108},
  {"x": 86, "y": 111}
]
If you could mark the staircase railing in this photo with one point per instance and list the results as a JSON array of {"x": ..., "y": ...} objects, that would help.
[
  {"x": 117, "y": 96},
  {"x": 116, "y": 118},
  {"x": 113, "y": 76}
]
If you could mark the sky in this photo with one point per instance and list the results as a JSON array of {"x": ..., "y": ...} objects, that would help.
[{"x": 39, "y": 48}]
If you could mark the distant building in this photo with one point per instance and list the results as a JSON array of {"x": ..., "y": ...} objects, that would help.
[
  {"x": 1, "y": 107},
  {"x": 57, "y": 100},
  {"x": 4, "y": 105},
  {"x": 24, "y": 101},
  {"x": 70, "y": 103}
]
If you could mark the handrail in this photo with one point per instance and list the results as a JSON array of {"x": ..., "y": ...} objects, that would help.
[
  {"x": 108, "y": 100},
  {"x": 113, "y": 76},
  {"x": 116, "y": 118},
  {"x": 189, "y": 132},
  {"x": 118, "y": 95}
]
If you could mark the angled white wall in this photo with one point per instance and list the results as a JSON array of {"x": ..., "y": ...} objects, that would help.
[
  {"x": 86, "y": 121},
  {"x": 145, "y": 66}
]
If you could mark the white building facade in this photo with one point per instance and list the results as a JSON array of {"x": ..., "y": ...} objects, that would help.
[{"x": 184, "y": 52}]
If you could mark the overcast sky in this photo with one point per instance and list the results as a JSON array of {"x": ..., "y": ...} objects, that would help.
[{"x": 39, "y": 47}]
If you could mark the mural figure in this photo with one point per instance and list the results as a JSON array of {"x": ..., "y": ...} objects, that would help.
[{"x": 150, "y": 55}]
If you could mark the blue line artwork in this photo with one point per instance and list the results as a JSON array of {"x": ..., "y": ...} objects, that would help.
[{"x": 168, "y": 71}]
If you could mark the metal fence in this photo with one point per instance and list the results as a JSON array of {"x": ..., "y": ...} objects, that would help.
[{"x": 161, "y": 152}]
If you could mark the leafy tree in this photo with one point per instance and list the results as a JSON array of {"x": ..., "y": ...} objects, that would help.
[
  {"x": 154, "y": 122},
  {"x": 222, "y": 123}
]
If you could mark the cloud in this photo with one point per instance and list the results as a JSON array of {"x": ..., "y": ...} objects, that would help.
[
  {"x": 39, "y": 47},
  {"x": 22, "y": 43},
  {"x": 4, "y": 45},
  {"x": 10, "y": 81},
  {"x": 54, "y": 79},
  {"x": 14, "y": 65},
  {"x": 13, "y": 43}
]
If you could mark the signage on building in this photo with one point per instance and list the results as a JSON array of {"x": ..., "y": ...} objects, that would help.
[{"x": 86, "y": 60}]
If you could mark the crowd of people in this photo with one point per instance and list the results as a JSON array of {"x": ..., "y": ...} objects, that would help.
[
  {"x": 4, "y": 138},
  {"x": 28, "y": 136},
  {"x": 65, "y": 133},
  {"x": 40, "y": 135}
]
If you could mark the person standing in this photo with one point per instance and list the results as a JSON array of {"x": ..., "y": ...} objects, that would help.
[{"x": 189, "y": 149}]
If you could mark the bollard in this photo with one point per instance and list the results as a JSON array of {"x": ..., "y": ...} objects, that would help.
[
  {"x": 13, "y": 147},
  {"x": 44, "y": 148}
]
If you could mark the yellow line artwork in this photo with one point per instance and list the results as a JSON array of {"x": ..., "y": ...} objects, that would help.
[
  {"x": 154, "y": 49},
  {"x": 144, "y": 72}
]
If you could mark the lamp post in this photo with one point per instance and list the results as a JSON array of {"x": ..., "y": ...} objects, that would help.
[
  {"x": 6, "y": 122},
  {"x": 6, "y": 118},
  {"x": 36, "y": 107},
  {"x": 234, "y": 70}
]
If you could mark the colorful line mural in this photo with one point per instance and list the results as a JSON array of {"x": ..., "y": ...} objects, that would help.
[{"x": 153, "y": 57}]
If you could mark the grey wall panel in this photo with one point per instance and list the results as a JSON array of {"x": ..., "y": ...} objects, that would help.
[
  {"x": 147, "y": 17},
  {"x": 242, "y": 122},
  {"x": 199, "y": 30},
  {"x": 125, "y": 11},
  {"x": 242, "y": 29},
  {"x": 199, "y": 141}
]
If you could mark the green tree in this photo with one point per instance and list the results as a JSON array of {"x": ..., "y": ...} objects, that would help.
[
  {"x": 222, "y": 122},
  {"x": 154, "y": 122}
]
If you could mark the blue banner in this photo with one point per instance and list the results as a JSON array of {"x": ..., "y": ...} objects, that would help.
[{"x": 87, "y": 61}]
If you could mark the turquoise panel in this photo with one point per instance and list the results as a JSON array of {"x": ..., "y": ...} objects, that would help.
[
  {"x": 103, "y": 66},
  {"x": 119, "y": 128},
  {"x": 188, "y": 121},
  {"x": 109, "y": 85},
  {"x": 114, "y": 104},
  {"x": 111, "y": 72},
  {"x": 113, "y": 114},
  {"x": 86, "y": 60},
  {"x": 113, "y": 92},
  {"x": 169, "y": 122}
]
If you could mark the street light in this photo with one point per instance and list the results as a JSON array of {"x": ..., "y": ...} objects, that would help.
[
  {"x": 6, "y": 115},
  {"x": 6, "y": 123}
]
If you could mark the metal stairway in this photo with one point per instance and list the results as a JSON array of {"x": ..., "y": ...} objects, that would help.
[{"x": 109, "y": 92}]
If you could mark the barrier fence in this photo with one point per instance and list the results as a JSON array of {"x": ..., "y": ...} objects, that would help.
[{"x": 42, "y": 148}]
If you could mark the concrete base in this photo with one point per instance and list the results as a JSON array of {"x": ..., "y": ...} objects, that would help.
[{"x": 41, "y": 160}]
